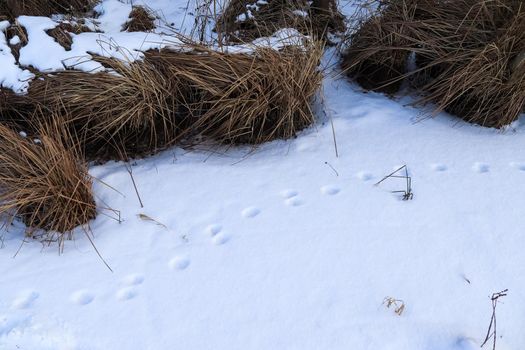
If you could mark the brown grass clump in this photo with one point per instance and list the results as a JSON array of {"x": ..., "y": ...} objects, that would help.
[
  {"x": 140, "y": 20},
  {"x": 463, "y": 51},
  {"x": 62, "y": 33},
  {"x": 379, "y": 49},
  {"x": 245, "y": 98},
  {"x": 16, "y": 30},
  {"x": 14, "y": 8},
  {"x": 128, "y": 112},
  {"x": 43, "y": 183},
  {"x": 246, "y": 20}
]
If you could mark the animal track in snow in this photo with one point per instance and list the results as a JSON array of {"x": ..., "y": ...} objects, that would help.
[
  {"x": 214, "y": 229},
  {"x": 25, "y": 299},
  {"x": 519, "y": 166},
  {"x": 330, "y": 190},
  {"x": 126, "y": 293},
  {"x": 133, "y": 280},
  {"x": 294, "y": 201},
  {"x": 82, "y": 297},
  {"x": 364, "y": 176},
  {"x": 287, "y": 194},
  {"x": 250, "y": 212},
  {"x": 220, "y": 238},
  {"x": 481, "y": 168},
  {"x": 179, "y": 263},
  {"x": 439, "y": 167}
]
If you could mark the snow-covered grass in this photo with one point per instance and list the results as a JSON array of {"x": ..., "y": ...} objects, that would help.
[{"x": 288, "y": 246}]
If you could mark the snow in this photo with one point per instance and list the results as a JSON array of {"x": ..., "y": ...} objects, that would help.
[{"x": 288, "y": 246}]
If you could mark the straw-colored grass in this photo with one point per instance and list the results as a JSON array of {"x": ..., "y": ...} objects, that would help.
[
  {"x": 125, "y": 113},
  {"x": 464, "y": 51},
  {"x": 15, "y": 8},
  {"x": 246, "y": 20},
  {"x": 141, "y": 19},
  {"x": 44, "y": 183},
  {"x": 62, "y": 33},
  {"x": 245, "y": 98}
]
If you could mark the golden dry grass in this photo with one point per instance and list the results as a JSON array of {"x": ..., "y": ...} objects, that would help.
[
  {"x": 129, "y": 112},
  {"x": 140, "y": 20},
  {"x": 262, "y": 20},
  {"x": 464, "y": 52},
  {"x": 44, "y": 182},
  {"x": 14, "y": 8},
  {"x": 245, "y": 98}
]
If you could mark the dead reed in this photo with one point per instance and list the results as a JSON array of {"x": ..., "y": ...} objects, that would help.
[
  {"x": 12, "y": 9},
  {"x": 127, "y": 112},
  {"x": 62, "y": 33},
  {"x": 246, "y": 20},
  {"x": 140, "y": 20},
  {"x": 465, "y": 55},
  {"x": 245, "y": 98},
  {"x": 44, "y": 183}
]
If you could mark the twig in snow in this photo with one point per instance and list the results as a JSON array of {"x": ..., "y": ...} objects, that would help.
[
  {"x": 399, "y": 305},
  {"x": 407, "y": 193},
  {"x": 491, "y": 332},
  {"x": 148, "y": 218},
  {"x": 330, "y": 165},
  {"x": 130, "y": 172}
]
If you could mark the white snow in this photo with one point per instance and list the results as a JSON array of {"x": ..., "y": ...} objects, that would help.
[{"x": 286, "y": 246}]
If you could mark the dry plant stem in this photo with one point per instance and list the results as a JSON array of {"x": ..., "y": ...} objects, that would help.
[{"x": 492, "y": 332}]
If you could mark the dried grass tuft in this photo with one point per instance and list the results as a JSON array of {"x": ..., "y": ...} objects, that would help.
[
  {"x": 128, "y": 112},
  {"x": 62, "y": 33},
  {"x": 246, "y": 20},
  {"x": 44, "y": 183},
  {"x": 464, "y": 54},
  {"x": 12, "y": 9},
  {"x": 245, "y": 98},
  {"x": 140, "y": 20}
]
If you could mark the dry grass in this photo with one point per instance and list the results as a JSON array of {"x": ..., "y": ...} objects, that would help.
[
  {"x": 62, "y": 33},
  {"x": 140, "y": 20},
  {"x": 127, "y": 113},
  {"x": 43, "y": 183},
  {"x": 245, "y": 98},
  {"x": 14, "y": 8},
  {"x": 16, "y": 30},
  {"x": 464, "y": 52},
  {"x": 245, "y": 20}
]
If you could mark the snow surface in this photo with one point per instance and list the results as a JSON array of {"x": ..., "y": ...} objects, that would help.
[{"x": 288, "y": 246}]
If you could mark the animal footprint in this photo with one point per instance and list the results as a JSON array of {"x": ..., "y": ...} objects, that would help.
[
  {"x": 25, "y": 300},
  {"x": 250, "y": 212},
  {"x": 287, "y": 194},
  {"x": 480, "y": 168},
  {"x": 330, "y": 190},
  {"x": 126, "y": 293},
  {"x": 519, "y": 166},
  {"x": 220, "y": 238},
  {"x": 364, "y": 176},
  {"x": 294, "y": 202},
  {"x": 82, "y": 297},
  {"x": 179, "y": 263},
  {"x": 214, "y": 229},
  {"x": 133, "y": 280},
  {"x": 438, "y": 167}
]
